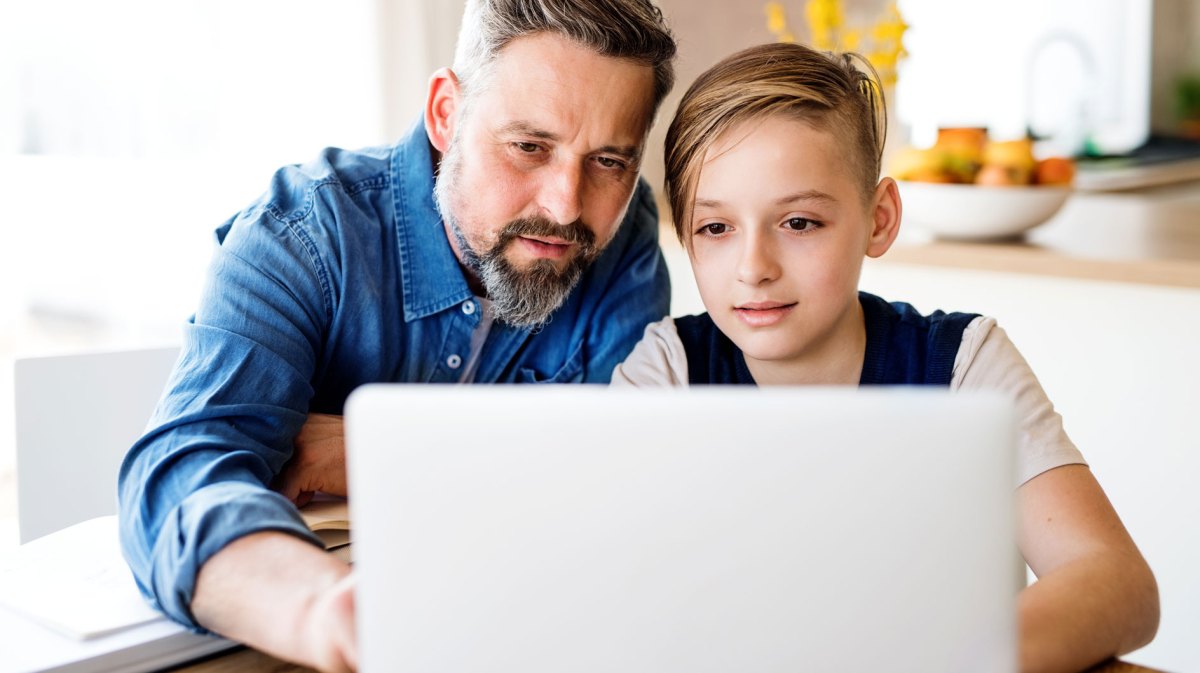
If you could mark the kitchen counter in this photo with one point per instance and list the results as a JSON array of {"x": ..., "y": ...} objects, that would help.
[{"x": 1149, "y": 236}]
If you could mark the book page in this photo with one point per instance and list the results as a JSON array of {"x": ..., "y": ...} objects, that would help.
[
  {"x": 326, "y": 513},
  {"x": 75, "y": 581}
]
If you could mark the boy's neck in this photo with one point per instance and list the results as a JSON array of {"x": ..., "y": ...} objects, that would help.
[{"x": 836, "y": 360}]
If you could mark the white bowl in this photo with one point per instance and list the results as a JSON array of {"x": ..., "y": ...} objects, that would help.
[{"x": 973, "y": 212}]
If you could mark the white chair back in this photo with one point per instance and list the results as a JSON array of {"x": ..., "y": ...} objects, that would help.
[{"x": 76, "y": 416}]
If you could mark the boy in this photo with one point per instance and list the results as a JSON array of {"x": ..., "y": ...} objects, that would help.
[{"x": 773, "y": 177}]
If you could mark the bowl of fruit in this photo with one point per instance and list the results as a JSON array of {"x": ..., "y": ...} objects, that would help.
[{"x": 969, "y": 187}]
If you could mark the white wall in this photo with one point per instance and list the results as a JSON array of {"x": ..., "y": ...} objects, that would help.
[{"x": 144, "y": 78}]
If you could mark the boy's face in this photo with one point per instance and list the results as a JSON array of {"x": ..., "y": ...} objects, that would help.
[{"x": 777, "y": 239}]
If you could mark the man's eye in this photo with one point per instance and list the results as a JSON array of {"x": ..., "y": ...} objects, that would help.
[
  {"x": 528, "y": 148},
  {"x": 801, "y": 224},
  {"x": 609, "y": 162}
]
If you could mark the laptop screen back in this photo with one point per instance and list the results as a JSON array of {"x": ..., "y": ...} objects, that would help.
[{"x": 586, "y": 529}]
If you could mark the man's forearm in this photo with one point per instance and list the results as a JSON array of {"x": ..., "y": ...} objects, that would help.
[
  {"x": 281, "y": 595},
  {"x": 1085, "y": 612}
]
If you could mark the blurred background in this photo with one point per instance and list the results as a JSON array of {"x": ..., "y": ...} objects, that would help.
[{"x": 129, "y": 129}]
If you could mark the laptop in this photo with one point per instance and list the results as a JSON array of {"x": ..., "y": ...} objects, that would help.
[{"x": 576, "y": 528}]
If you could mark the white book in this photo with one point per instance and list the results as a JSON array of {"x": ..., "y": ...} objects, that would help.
[
  {"x": 75, "y": 581},
  {"x": 69, "y": 604}
]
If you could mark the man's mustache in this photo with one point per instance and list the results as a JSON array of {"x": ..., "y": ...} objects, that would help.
[{"x": 574, "y": 232}]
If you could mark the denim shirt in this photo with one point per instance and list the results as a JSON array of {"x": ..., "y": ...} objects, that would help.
[{"x": 340, "y": 275}]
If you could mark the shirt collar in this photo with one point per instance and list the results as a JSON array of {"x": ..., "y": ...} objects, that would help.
[{"x": 433, "y": 280}]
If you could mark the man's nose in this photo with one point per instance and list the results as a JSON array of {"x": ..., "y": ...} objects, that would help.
[
  {"x": 757, "y": 262},
  {"x": 562, "y": 194}
]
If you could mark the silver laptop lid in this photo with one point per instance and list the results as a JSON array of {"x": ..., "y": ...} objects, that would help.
[{"x": 586, "y": 529}]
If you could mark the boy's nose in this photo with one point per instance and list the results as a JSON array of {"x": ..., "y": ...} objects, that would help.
[
  {"x": 562, "y": 194},
  {"x": 757, "y": 263}
]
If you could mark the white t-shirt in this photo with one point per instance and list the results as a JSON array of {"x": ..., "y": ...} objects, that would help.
[
  {"x": 478, "y": 338},
  {"x": 986, "y": 360}
]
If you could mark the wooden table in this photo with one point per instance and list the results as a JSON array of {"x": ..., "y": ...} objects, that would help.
[{"x": 247, "y": 660}]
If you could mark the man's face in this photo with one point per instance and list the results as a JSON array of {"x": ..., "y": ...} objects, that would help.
[{"x": 541, "y": 169}]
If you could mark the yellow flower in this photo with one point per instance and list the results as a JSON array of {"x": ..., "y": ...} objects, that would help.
[
  {"x": 851, "y": 39},
  {"x": 776, "y": 18},
  {"x": 882, "y": 42}
]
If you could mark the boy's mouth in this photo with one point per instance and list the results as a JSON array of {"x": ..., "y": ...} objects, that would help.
[{"x": 763, "y": 313}]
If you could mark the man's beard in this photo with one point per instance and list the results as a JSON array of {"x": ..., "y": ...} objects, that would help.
[{"x": 520, "y": 297}]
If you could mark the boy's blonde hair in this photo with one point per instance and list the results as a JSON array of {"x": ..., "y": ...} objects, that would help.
[{"x": 822, "y": 89}]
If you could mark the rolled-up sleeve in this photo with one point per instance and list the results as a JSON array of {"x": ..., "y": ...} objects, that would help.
[{"x": 198, "y": 479}]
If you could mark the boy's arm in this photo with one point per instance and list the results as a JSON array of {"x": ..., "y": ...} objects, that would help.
[{"x": 1095, "y": 597}]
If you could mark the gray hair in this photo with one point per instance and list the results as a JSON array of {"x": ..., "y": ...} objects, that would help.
[{"x": 629, "y": 29}]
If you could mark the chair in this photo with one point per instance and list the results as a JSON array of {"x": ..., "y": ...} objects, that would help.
[{"x": 76, "y": 416}]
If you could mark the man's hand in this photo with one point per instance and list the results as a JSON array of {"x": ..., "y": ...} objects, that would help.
[
  {"x": 330, "y": 628},
  {"x": 319, "y": 462},
  {"x": 283, "y": 596}
]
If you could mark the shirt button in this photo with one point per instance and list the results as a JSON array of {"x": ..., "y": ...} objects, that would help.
[
  {"x": 468, "y": 307},
  {"x": 454, "y": 362}
]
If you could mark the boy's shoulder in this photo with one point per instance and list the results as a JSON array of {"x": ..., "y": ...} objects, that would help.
[
  {"x": 657, "y": 360},
  {"x": 712, "y": 357},
  {"x": 905, "y": 313},
  {"x": 905, "y": 346}
]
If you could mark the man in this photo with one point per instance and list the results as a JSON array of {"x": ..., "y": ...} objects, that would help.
[{"x": 536, "y": 262}]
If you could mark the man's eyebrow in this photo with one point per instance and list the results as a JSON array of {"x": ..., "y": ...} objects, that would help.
[
  {"x": 630, "y": 153},
  {"x": 527, "y": 129}
]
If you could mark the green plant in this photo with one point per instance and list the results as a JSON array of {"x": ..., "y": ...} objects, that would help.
[{"x": 1187, "y": 97}]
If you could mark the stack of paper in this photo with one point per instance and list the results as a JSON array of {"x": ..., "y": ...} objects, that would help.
[{"x": 70, "y": 604}]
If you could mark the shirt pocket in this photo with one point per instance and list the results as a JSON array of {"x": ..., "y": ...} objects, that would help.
[{"x": 571, "y": 371}]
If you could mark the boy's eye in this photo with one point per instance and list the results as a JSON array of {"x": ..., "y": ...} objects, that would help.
[
  {"x": 713, "y": 229},
  {"x": 801, "y": 224}
]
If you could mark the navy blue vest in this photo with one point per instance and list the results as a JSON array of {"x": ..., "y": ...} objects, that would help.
[{"x": 903, "y": 346}]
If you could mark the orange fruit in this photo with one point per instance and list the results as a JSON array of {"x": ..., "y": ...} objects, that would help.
[
  {"x": 1016, "y": 154},
  {"x": 1054, "y": 171},
  {"x": 996, "y": 175}
]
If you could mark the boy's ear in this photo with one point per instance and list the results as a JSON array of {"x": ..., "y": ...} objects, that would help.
[
  {"x": 440, "y": 105},
  {"x": 885, "y": 217}
]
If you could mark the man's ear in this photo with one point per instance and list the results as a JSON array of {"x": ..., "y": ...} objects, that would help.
[
  {"x": 885, "y": 217},
  {"x": 440, "y": 105}
]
